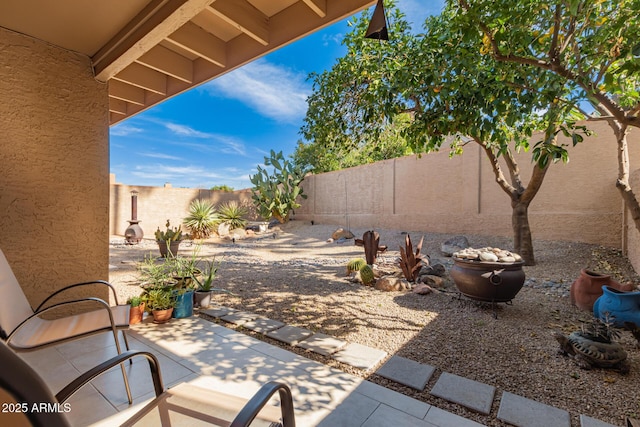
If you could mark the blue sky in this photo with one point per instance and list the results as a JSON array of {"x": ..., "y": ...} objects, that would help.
[{"x": 219, "y": 132}]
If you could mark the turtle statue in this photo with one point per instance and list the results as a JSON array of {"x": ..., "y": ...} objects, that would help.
[{"x": 593, "y": 352}]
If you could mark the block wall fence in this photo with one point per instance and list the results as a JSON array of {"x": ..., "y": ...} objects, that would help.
[{"x": 578, "y": 201}]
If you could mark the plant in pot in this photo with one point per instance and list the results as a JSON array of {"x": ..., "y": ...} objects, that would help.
[
  {"x": 169, "y": 240},
  {"x": 160, "y": 301},
  {"x": 205, "y": 290},
  {"x": 184, "y": 273},
  {"x": 136, "y": 309}
]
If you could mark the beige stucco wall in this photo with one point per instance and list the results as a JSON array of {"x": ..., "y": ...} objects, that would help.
[
  {"x": 157, "y": 204},
  {"x": 578, "y": 201},
  {"x": 54, "y": 188}
]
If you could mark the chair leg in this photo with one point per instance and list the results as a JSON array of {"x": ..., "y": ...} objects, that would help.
[
  {"x": 126, "y": 344},
  {"x": 124, "y": 371}
]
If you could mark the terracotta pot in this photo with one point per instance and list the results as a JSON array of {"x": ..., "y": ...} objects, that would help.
[
  {"x": 488, "y": 281},
  {"x": 135, "y": 314},
  {"x": 588, "y": 288},
  {"x": 618, "y": 306},
  {"x": 162, "y": 316},
  {"x": 173, "y": 246}
]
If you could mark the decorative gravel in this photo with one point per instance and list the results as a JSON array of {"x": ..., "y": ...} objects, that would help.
[{"x": 294, "y": 275}]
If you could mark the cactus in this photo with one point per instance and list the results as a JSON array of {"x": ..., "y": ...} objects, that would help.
[
  {"x": 366, "y": 274},
  {"x": 355, "y": 265},
  {"x": 170, "y": 235}
]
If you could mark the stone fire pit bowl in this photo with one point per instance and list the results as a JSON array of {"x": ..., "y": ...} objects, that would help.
[{"x": 490, "y": 281}]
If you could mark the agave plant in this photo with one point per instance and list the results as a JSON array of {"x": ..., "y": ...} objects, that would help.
[
  {"x": 233, "y": 214},
  {"x": 202, "y": 219}
]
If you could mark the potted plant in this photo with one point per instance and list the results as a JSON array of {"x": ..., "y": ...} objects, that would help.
[
  {"x": 136, "y": 309},
  {"x": 204, "y": 290},
  {"x": 169, "y": 240},
  {"x": 160, "y": 301}
]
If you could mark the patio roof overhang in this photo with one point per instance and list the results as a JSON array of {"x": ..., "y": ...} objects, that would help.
[{"x": 150, "y": 50}]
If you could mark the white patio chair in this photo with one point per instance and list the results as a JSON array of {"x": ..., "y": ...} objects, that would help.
[{"x": 23, "y": 329}]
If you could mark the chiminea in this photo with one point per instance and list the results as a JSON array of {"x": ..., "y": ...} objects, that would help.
[{"x": 133, "y": 234}]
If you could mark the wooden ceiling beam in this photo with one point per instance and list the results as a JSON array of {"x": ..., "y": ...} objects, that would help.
[
  {"x": 168, "y": 62},
  {"x": 126, "y": 92},
  {"x": 158, "y": 19},
  {"x": 244, "y": 17},
  {"x": 143, "y": 77},
  {"x": 117, "y": 106},
  {"x": 199, "y": 42},
  {"x": 318, "y": 6}
]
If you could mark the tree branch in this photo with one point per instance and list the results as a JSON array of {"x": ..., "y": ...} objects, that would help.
[{"x": 497, "y": 171}]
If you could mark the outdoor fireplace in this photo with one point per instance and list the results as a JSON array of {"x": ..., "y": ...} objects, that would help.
[{"x": 133, "y": 234}]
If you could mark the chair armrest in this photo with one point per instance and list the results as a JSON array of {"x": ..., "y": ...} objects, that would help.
[
  {"x": 92, "y": 373},
  {"x": 103, "y": 303},
  {"x": 257, "y": 402},
  {"x": 75, "y": 285}
]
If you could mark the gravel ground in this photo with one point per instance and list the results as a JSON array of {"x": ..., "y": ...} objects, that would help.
[{"x": 293, "y": 274}]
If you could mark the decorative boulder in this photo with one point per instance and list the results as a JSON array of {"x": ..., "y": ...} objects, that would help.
[
  {"x": 341, "y": 233},
  {"x": 454, "y": 244},
  {"x": 433, "y": 270},
  {"x": 223, "y": 229},
  {"x": 433, "y": 281},
  {"x": 422, "y": 289}
]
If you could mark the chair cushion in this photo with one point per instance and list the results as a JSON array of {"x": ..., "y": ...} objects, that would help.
[
  {"x": 40, "y": 332},
  {"x": 14, "y": 306}
]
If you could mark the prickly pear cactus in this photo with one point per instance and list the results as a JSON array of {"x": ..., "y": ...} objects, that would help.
[
  {"x": 355, "y": 265},
  {"x": 366, "y": 274}
]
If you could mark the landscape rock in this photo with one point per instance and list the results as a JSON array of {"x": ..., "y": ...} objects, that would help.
[
  {"x": 422, "y": 289},
  {"x": 341, "y": 233},
  {"x": 433, "y": 281},
  {"x": 223, "y": 229},
  {"x": 238, "y": 234},
  {"x": 433, "y": 270},
  {"x": 454, "y": 244},
  {"x": 390, "y": 284}
]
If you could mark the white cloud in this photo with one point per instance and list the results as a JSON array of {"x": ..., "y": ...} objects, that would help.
[
  {"x": 160, "y": 156},
  {"x": 273, "y": 91},
  {"x": 190, "y": 176},
  {"x": 184, "y": 130},
  {"x": 125, "y": 130}
]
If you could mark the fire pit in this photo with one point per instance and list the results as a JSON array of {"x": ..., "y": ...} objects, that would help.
[{"x": 488, "y": 278}]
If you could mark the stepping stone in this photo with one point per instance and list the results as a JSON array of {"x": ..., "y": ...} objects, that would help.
[
  {"x": 407, "y": 372},
  {"x": 218, "y": 311},
  {"x": 472, "y": 394},
  {"x": 359, "y": 356},
  {"x": 592, "y": 422},
  {"x": 239, "y": 317},
  {"x": 290, "y": 334},
  {"x": 263, "y": 325},
  {"x": 521, "y": 411},
  {"x": 322, "y": 344}
]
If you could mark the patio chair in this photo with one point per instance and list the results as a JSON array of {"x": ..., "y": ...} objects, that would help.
[
  {"x": 183, "y": 405},
  {"x": 23, "y": 329}
]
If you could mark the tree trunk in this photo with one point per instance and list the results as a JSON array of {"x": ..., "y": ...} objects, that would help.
[
  {"x": 522, "y": 243},
  {"x": 622, "y": 183}
]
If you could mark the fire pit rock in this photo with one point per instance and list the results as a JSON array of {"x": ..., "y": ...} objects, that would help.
[{"x": 488, "y": 274}]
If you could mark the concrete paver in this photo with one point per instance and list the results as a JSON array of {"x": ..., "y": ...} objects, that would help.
[
  {"x": 524, "y": 412},
  {"x": 290, "y": 334},
  {"x": 407, "y": 372},
  {"x": 322, "y": 344},
  {"x": 385, "y": 416},
  {"x": 592, "y": 422},
  {"x": 263, "y": 325},
  {"x": 239, "y": 317},
  {"x": 217, "y": 311},
  {"x": 472, "y": 394},
  {"x": 359, "y": 356}
]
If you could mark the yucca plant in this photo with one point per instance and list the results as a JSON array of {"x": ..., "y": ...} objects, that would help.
[
  {"x": 202, "y": 219},
  {"x": 232, "y": 214}
]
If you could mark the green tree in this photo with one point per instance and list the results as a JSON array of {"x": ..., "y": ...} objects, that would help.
[
  {"x": 591, "y": 46},
  {"x": 453, "y": 94},
  {"x": 224, "y": 188},
  {"x": 276, "y": 194}
]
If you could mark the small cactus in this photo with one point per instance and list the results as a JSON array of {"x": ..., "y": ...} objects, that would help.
[
  {"x": 366, "y": 274},
  {"x": 355, "y": 265}
]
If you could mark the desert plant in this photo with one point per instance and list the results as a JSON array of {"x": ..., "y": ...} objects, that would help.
[
  {"x": 371, "y": 242},
  {"x": 208, "y": 274},
  {"x": 170, "y": 234},
  {"x": 275, "y": 194},
  {"x": 223, "y": 187},
  {"x": 355, "y": 265},
  {"x": 134, "y": 301},
  {"x": 232, "y": 213},
  {"x": 366, "y": 274},
  {"x": 202, "y": 219},
  {"x": 159, "y": 299},
  {"x": 411, "y": 262}
]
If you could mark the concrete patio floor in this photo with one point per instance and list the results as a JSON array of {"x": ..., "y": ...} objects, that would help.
[{"x": 207, "y": 354}]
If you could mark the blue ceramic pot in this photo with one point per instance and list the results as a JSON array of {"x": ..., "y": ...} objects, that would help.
[
  {"x": 620, "y": 306},
  {"x": 184, "y": 305}
]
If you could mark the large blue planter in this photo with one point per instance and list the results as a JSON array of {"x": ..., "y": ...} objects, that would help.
[
  {"x": 619, "y": 306},
  {"x": 184, "y": 305}
]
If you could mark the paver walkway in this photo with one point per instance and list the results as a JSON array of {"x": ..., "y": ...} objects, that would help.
[{"x": 479, "y": 397}]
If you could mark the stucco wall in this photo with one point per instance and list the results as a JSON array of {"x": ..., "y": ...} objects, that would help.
[
  {"x": 157, "y": 204},
  {"x": 54, "y": 188},
  {"x": 578, "y": 201}
]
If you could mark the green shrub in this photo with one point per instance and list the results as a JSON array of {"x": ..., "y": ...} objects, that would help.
[
  {"x": 202, "y": 219},
  {"x": 232, "y": 214},
  {"x": 366, "y": 274}
]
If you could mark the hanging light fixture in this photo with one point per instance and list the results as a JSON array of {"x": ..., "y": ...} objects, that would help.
[{"x": 378, "y": 26}]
